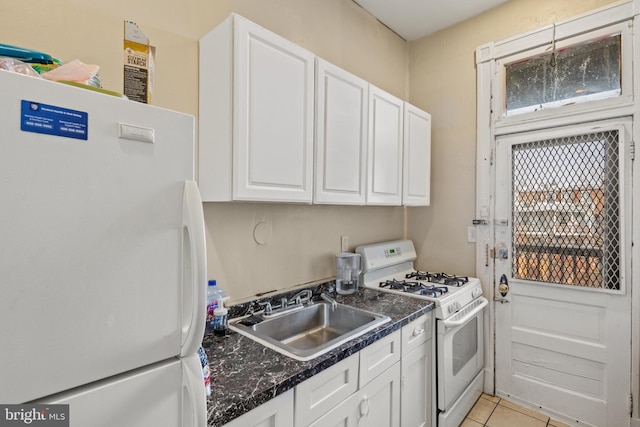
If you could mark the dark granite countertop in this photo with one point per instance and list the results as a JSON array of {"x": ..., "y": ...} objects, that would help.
[{"x": 246, "y": 374}]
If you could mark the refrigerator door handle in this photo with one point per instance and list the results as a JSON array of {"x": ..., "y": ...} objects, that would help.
[
  {"x": 194, "y": 399},
  {"x": 194, "y": 270}
]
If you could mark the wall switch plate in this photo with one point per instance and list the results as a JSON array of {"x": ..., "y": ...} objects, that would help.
[
  {"x": 344, "y": 243},
  {"x": 471, "y": 234}
]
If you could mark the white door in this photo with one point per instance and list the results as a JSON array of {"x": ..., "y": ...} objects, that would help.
[{"x": 563, "y": 324}]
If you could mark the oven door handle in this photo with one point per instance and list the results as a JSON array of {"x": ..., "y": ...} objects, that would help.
[{"x": 458, "y": 322}]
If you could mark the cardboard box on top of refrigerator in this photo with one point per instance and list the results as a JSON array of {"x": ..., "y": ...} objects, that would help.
[{"x": 138, "y": 64}]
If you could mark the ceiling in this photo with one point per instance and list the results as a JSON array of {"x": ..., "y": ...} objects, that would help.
[{"x": 413, "y": 19}]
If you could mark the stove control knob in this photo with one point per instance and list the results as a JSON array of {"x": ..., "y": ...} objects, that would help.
[{"x": 476, "y": 293}]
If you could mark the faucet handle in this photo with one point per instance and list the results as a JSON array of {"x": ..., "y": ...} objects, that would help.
[
  {"x": 305, "y": 296},
  {"x": 267, "y": 307},
  {"x": 302, "y": 297}
]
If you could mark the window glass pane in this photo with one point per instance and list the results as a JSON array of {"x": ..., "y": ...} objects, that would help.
[
  {"x": 566, "y": 210},
  {"x": 579, "y": 73}
]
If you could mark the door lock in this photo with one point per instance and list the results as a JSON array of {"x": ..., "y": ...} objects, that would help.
[{"x": 503, "y": 288}]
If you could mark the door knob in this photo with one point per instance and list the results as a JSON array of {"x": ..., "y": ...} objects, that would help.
[{"x": 503, "y": 288}]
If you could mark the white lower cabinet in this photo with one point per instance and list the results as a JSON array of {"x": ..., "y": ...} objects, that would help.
[
  {"x": 417, "y": 385},
  {"x": 362, "y": 390},
  {"x": 415, "y": 407},
  {"x": 375, "y": 405},
  {"x": 276, "y": 412},
  {"x": 322, "y": 392},
  {"x": 378, "y": 357}
]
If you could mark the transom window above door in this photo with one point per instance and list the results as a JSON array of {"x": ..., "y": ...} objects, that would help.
[
  {"x": 580, "y": 73},
  {"x": 563, "y": 76}
]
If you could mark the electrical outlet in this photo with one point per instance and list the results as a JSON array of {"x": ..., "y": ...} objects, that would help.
[
  {"x": 344, "y": 243},
  {"x": 471, "y": 234}
]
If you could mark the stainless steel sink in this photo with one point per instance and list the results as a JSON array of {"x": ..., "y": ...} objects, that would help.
[{"x": 310, "y": 331}]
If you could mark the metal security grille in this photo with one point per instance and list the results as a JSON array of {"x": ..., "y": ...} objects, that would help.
[{"x": 566, "y": 204}]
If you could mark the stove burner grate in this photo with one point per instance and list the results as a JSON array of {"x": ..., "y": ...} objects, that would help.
[
  {"x": 439, "y": 278},
  {"x": 415, "y": 287}
]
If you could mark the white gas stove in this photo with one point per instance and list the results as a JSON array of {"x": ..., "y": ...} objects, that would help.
[
  {"x": 389, "y": 267},
  {"x": 459, "y": 305}
]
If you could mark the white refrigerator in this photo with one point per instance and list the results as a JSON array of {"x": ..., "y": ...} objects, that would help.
[{"x": 102, "y": 257}]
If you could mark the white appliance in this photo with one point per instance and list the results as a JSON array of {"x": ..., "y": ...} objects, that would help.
[
  {"x": 102, "y": 257},
  {"x": 459, "y": 305}
]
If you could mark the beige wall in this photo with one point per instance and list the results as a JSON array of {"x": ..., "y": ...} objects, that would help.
[
  {"x": 304, "y": 239},
  {"x": 443, "y": 82}
]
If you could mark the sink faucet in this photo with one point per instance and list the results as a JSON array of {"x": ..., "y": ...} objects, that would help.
[
  {"x": 330, "y": 300},
  {"x": 286, "y": 305}
]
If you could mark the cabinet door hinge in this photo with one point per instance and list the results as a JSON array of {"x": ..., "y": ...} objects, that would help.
[
  {"x": 632, "y": 150},
  {"x": 630, "y": 403}
]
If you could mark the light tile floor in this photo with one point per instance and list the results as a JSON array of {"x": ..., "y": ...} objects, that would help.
[{"x": 492, "y": 411}]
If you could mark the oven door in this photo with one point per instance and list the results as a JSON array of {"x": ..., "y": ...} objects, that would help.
[{"x": 460, "y": 351}]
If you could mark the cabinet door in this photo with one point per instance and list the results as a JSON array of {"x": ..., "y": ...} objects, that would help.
[
  {"x": 323, "y": 391},
  {"x": 375, "y": 405},
  {"x": 384, "y": 183},
  {"x": 417, "y": 332},
  {"x": 416, "y": 392},
  {"x": 276, "y": 412},
  {"x": 345, "y": 414},
  {"x": 342, "y": 106},
  {"x": 380, "y": 402},
  {"x": 378, "y": 357},
  {"x": 273, "y": 116},
  {"x": 417, "y": 157}
]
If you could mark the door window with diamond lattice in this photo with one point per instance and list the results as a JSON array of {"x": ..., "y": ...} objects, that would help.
[{"x": 566, "y": 220}]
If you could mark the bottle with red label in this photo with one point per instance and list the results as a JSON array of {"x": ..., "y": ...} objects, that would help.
[{"x": 206, "y": 372}]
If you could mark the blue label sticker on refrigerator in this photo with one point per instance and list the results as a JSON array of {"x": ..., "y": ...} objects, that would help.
[{"x": 52, "y": 120}]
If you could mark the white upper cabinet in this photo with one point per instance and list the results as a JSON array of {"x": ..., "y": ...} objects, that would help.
[
  {"x": 257, "y": 125},
  {"x": 384, "y": 181},
  {"x": 417, "y": 157},
  {"x": 341, "y": 136},
  {"x": 256, "y": 115}
]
